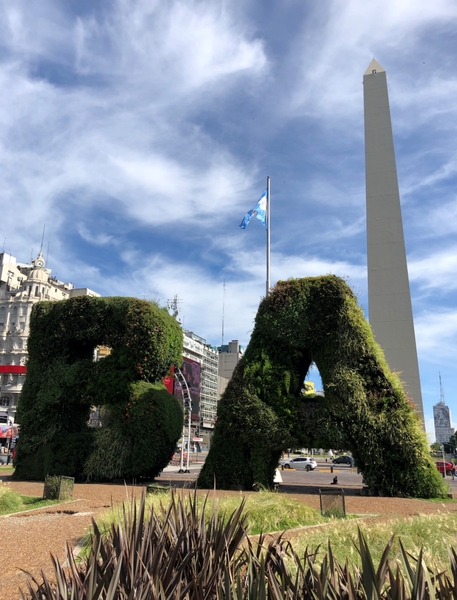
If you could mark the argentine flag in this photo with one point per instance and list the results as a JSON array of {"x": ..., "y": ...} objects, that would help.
[{"x": 259, "y": 210}]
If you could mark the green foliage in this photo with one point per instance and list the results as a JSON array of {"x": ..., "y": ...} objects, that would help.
[
  {"x": 176, "y": 553},
  {"x": 435, "y": 447},
  {"x": 63, "y": 382},
  {"x": 10, "y": 502},
  {"x": 317, "y": 319},
  {"x": 141, "y": 441},
  {"x": 63, "y": 455},
  {"x": 110, "y": 454}
]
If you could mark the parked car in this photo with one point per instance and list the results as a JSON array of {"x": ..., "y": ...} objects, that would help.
[
  {"x": 303, "y": 463},
  {"x": 440, "y": 465},
  {"x": 343, "y": 460}
]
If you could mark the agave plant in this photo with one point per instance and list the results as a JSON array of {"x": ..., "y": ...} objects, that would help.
[
  {"x": 173, "y": 553},
  {"x": 176, "y": 553}
]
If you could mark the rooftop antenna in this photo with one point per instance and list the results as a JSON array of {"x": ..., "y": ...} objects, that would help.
[
  {"x": 4, "y": 242},
  {"x": 223, "y": 311},
  {"x": 42, "y": 238},
  {"x": 173, "y": 305},
  {"x": 441, "y": 390}
]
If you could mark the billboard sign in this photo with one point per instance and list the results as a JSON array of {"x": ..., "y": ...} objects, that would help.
[{"x": 191, "y": 371}]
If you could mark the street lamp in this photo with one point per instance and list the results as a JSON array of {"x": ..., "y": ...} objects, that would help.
[
  {"x": 10, "y": 439},
  {"x": 444, "y": 462}
]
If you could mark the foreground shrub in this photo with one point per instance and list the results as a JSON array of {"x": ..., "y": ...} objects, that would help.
[
  {"x": 267, "y": 511},
  {"x": 10, "y": 501},
  {"x": 176, "y": 553}
]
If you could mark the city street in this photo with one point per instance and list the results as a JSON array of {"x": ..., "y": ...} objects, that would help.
[{"x": 322, "y": 476}]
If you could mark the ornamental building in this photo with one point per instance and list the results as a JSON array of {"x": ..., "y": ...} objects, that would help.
[
  {"x": 443, "y": 422},
  {"x": 21, "y": 286}
]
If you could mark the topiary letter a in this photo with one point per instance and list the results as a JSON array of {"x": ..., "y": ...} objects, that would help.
[{"x": 262, "y": 412}]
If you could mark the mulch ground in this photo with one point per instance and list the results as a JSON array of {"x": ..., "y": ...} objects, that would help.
[{"x": 29, "y": 539}]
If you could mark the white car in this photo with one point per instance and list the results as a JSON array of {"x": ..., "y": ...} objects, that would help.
[{"x": 301, "y": 463}]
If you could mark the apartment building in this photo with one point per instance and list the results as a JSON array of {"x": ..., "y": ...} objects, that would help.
[{"x": 21, "y": 286}]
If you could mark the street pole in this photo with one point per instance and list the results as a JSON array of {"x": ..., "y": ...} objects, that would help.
[
  {"x": 188, "y": 441},
  {"x": 268, "y": 237},
  {"x": 8, "y": 458}
]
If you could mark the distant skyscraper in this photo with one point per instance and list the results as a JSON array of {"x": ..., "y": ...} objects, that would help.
[
  {"x": 443, "y": 422},
  {"x": 389, "y": 298}
]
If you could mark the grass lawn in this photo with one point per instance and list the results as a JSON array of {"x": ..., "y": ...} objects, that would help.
[
  {"x": 434, "y": 533},
  {"x": 268, "y": 512},
  {"x": 12, "y": 502}
]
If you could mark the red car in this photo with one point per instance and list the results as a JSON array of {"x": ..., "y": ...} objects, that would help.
[{"x": 440, "y": 465}]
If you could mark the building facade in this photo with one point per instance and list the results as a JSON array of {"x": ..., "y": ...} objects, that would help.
[
  {"x": 21, "y": 286},
  {"x": 443, "y": 423},
  {"x": 229, "y": 356},
  {"x": 197, "y": 349}
]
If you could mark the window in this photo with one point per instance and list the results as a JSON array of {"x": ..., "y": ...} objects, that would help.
[{"x": 4, "y": 401}]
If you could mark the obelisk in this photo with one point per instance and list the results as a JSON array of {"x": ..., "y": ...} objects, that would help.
[{"x": 389, "y": 298}]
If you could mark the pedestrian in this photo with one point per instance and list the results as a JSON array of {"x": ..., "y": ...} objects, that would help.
[{"x": 453, "y": 471}]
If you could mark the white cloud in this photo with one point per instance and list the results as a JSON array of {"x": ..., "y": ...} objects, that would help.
[
  {"x": 176, "y": 48},
  {"x": 100, "y": 239},
  {"x": 438, "y": 270},
  {"x": 140, "y": 132},
  {"x": 436, "y": 335},
  {"x": 335, "y": 56},
  {"x": 92, "y": 143}
]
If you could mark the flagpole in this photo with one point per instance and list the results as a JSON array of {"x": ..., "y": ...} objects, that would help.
[{"x": 268, "y": 236}]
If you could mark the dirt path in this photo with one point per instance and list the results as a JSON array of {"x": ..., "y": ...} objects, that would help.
[{"x": 29, "y": 539}]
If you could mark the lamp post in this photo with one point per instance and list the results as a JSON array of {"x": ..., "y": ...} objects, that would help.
[
  {"x": 444, "y": 462},
  {"x": 10, "y": 439}
]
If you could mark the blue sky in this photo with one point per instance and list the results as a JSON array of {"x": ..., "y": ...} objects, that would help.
[{"x": 140, "y": 132}]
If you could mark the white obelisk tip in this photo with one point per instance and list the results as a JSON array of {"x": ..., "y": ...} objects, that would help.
[{"x": 374, "y": 67}]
